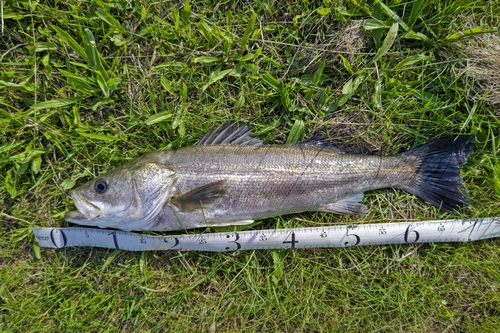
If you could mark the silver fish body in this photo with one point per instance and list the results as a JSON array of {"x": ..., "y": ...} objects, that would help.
[{"x": 230, "y": 178}]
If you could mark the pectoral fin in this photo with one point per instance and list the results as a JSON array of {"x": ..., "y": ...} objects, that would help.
[
  {"x": 349, "y": 205},
  {"x": 201, "y": 197}
]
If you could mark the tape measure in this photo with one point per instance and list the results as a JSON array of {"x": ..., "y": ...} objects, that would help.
[{"x": 459, "y": 230}]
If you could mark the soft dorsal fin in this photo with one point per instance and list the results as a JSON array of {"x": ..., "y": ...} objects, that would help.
[
  {"x": 230, "y": 133},
  {"x": 320, "y": 142},
  {"x": 201, "y": 197}
]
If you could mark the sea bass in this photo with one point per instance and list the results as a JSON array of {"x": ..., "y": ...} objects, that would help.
[{"x": 231, "y": 178}]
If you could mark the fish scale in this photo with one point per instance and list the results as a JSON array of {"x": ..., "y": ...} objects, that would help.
[
  {"x": 282, "y": 170},
  {"x": 281, "y": 180}
]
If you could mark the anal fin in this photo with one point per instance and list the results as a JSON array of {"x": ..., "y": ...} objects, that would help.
[{"x": 347, "y": 206}]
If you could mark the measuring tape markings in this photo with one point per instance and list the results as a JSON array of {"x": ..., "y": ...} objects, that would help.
[{"x": 462, "y": 230}]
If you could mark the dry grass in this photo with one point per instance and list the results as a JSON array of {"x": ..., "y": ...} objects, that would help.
[{"x": 483, "y": 66}]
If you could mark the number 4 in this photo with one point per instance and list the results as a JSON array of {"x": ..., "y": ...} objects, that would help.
[{"x": 293, "y": 241}]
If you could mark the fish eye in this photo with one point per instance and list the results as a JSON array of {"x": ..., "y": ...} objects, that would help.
[{"x": 101, "y": 186}]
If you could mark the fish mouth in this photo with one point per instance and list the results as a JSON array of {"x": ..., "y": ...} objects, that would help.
[{"x": 87, "y": 211}]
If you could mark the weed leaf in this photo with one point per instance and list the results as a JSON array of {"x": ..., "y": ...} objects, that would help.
[
  {"x": 156, "y": 118},
  {"x": 248, "y": 31},
  {"x": 469, "y": 32},
  {"x": 80, "y": 83},
  {"x": 102, "y": 137},
  {"x": 56, "y": 103},
  {"x": 208, "y": 60},
  {"x": 186, "y": 12},
  {"x": 206, "y": 31},
  {"x": 416, "y": 35},
  {"x": 374, "y": 24},
  {"x": 216, "y": 76},
  {"x": 297, "y": 132},
  {"x": 410, "y": 60},
  {"x": 269, "y": 79},
  {"x": 387, "y": 44},
  {"x": 10, "y": 184}
]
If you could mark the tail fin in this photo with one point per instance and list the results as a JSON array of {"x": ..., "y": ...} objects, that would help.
[{"x": 438, "y": 173}]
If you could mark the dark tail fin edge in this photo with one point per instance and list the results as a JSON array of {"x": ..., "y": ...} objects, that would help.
[{"x": 438, "y": 174}]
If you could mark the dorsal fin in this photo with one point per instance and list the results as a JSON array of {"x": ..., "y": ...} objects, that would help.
[
  {"x": 320, "y": 142},
  {"x": 230, "y": 133}
]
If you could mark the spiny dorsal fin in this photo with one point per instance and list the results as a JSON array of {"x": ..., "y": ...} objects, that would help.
[
  {"x": 201, "y": 197},
  {"x": 320, "y": 142},
  {"x": 230, "y": 133}
]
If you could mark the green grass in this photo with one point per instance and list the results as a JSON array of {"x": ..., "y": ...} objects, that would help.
[{"x": 86, "y": 86}]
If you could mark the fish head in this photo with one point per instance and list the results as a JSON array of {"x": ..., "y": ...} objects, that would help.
[{"x": 128, "y": 198}]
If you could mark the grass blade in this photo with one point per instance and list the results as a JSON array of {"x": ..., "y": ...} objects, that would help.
[
  {"x": 82, "y": 84},
  {"x": 416, "y": 8},
  {"x": 109, "y": 19},
  {"x": 377, "y": 33},
  {"x": 248, "y": 31},
  {"x": 66, "y": 38},
  {"x": 96, "y": 62},
  {"x": 389, "y": 12},
  {"x": 186, "y": 12}
]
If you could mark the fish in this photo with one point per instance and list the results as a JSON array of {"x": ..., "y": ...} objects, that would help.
[{"x": 230, "y": 177}]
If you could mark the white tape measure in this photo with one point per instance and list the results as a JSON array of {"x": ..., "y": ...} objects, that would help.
[{"x": 463, "y": 230}]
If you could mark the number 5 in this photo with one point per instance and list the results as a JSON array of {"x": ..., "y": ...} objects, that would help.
[{"x": 354, "y": 235}]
